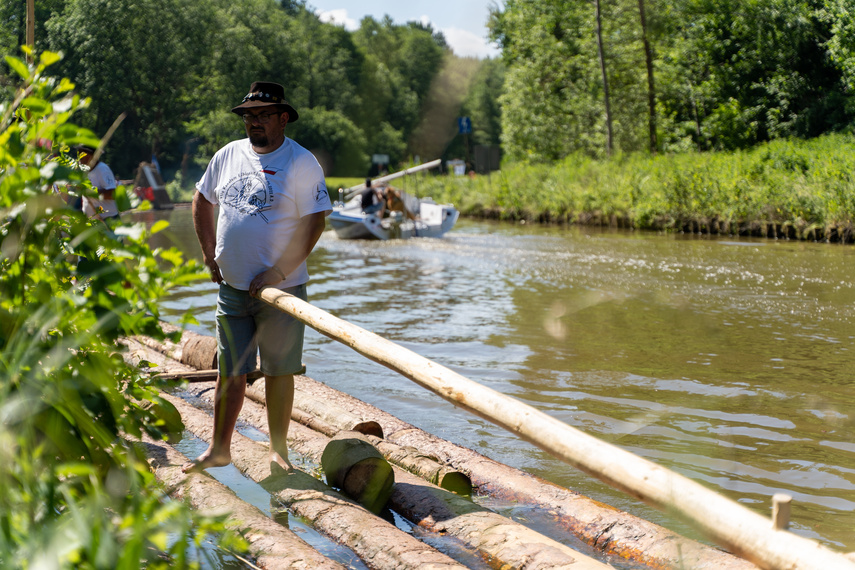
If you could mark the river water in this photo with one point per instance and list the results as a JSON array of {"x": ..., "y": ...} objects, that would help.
[{"x": 727, "y": 360}]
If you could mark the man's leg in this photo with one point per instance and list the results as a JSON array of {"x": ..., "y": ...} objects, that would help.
[
  {"x": 236, "y": 350},
  {"x": 280, "y": 339},
  {"x": 279, "y": 393},
  {"x": 228, "y": 401}
]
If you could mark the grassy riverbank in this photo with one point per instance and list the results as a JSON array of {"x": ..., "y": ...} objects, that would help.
[{"x": 798, "y": 189}]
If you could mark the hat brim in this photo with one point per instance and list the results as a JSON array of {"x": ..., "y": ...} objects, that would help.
[{"x": 241, "y": 109}]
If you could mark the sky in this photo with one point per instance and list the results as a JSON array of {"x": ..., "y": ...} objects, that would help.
[{"x": 462, "y": 22}]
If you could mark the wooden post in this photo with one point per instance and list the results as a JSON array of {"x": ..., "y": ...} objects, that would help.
[
  {"x": 781, "y": 511},
  {"x": 723, "y": 520}
]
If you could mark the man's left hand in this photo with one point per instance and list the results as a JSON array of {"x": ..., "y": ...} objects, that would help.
[{"x": 262, "y": 280}]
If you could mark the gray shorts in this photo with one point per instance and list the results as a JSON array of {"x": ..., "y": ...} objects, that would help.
[{"x": 247, "y": 326}]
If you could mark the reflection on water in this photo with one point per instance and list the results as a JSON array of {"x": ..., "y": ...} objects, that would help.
[{"x": 728, "y": 361}]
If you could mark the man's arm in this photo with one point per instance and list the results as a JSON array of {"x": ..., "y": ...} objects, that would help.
[
  {"x": 306, "y": 236},
  {"x": 206, "y": 231}
]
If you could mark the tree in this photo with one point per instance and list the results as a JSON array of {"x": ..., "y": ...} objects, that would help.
[
  {"x": 134, "y": 57},
  {"x": 759, "y": 70},
  {"x": 482, "y": 103},
  {"x": 551, "y": 103},
  {"x": 400, "y": 64},
  {"x": 651, "y": 87},
  {"x": 602, "y": 58},
  {"x": 333, "y": 139}
]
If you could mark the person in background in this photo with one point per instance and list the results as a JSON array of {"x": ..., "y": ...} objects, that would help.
[
  {"x": 272, "y": 207},
  {"x": 102, "y": 179},
  {"x": 372, "y": 198}
]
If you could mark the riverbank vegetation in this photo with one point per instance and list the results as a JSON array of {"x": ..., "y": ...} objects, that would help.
[
  {"x": 785, "y": 188},
  {"x": 74, "y": 491},
  {"x": 649, "y": 113}
]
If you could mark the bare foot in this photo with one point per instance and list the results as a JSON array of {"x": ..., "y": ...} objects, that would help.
[
  {"x": 205, "y": 460},
  {"x": 276, "y": 460}
]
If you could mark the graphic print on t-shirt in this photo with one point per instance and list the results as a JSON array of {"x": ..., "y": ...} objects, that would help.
[
  {"x": 250, "y": 193},
  {"x": 321, "y": 193}
]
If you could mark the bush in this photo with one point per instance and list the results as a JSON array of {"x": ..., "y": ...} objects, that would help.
[{"x": 73, "y": 491}]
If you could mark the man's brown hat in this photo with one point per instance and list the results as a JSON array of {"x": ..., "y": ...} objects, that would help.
[{"x": 266, "y": 94}]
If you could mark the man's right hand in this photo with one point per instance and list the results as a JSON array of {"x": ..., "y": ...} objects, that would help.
[{"x": 216, "y": 276}]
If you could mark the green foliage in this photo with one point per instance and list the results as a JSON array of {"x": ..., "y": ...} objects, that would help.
[
  {"x": 176, "y": 67},
  {"x": 799, "y": 184},
  {"x": 73, "y": 492},
  {"x": 482, "y": 103},
  {"x": 333, "y": 138},
  {"x": 729, "y": 74}
]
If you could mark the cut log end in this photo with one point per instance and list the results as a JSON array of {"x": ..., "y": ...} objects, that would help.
[
  {"x": 369, "y": 427},
  {"x": 360, "y": 471},
  {"x": 456, "y": 482}
]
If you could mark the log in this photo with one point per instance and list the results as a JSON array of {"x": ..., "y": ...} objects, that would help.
[
  {"x": 195, "y": 350},
  {"x": 359, "y": 470},
  {"x": 505, "y": 543},
  {"x": 326, "y": 411},
  {"x": 335, "y": 419},
  {"x": 204, "y": 375},
  {"x": 273, "y": 545},
  {"x": 729, "y": 524},
  {"x": 428, "y": 468},
  {"x": 601, "y": 526},
  {"x": 139, "y": 351},
  {"x": 374, "y": 540}
]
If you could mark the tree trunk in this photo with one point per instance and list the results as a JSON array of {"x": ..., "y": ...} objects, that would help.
[
  {"x": 602, "y": 55},
  {"x": 196, "y": 350},
  {"x": 651, "y": 89},
  {"x": 326, "y": 411},
  {"x": 359, "y": 470}
]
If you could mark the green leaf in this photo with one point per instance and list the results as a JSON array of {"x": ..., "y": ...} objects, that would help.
[
  {"x": 18, "y": 66},
  {"x": 159, "y": 226},
  {"x": 49, "y": 58}
]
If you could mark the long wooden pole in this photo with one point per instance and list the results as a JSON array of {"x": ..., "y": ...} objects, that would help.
[
  {"x": 351, "y": 192},
  {"x": 729, "y": 524}
]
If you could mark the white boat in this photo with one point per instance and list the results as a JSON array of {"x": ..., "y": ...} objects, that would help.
[{"x": 431, "y": 219}]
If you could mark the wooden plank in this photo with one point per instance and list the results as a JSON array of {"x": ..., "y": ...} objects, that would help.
[{"x": 723, "y": 520}]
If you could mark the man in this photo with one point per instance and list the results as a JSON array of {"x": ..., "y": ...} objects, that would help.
[
  {"x": 272, "y": 203},
  {"x": 371, "y": 198},
  {"x": 102, "y": 179}
]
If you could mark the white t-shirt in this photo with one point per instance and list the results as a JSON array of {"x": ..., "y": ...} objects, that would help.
[
  {"x": 262, "y": 198},
  {"x": 102, "y": 178}
]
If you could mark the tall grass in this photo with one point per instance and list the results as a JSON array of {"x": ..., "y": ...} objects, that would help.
[{"x": 797, "y": 188}]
